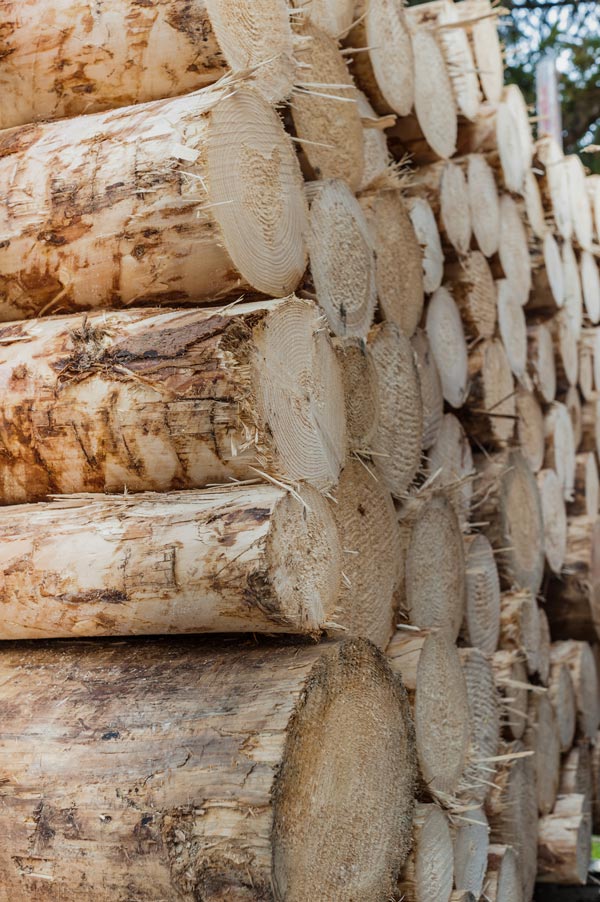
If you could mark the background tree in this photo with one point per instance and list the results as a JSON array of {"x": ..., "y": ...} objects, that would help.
[{"x": 571, "y": 30}]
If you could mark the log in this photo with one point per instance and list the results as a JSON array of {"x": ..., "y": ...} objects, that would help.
[
  {"x": 472, "y": 287},
  {"x": 555, "y": 184},
  {"x": 545, "y": 648},
  {"x": 564, "y": 340},
  {"x": 484, "y": 204},
  {"x": 398, "y": 438},
  {"x": 548, "y": 279},
  {"x": 481, "y": 24},
  {"x": 429, "y": 869},
  {"x": 335, "y": 17},
  {"x": 520, "y": 626},
  {"x": 481, "y": 628},
  {"x": 371, "y": 566},
  {"x": 169, "y": 208},
  {"x": 183, "y": 764},
  {"x": 579, "y": 659},
  {"x": 573, "y": 306},
  {"x": 398, "y": 258},
  {"x": 430, "y": 132},
  {"x": 324, "y": 111},
  {"x": 511, "y": 679},
  {"x": 513, "y": 97},
  {"x": 342, "y": 262},
  {"x": 581, "y": 211},
  {"x": 565, "y": 843},
  {"x": 513, "y": 330},
  {"x": 484, "y": 721},
  {"x": 443, "y": 16},
  {"x": 247, "y": 559},
  {"x": 444, "y": 186},
  {"x": 431, "y": 388},
  {"x": 560, "y": 447},
  {"x": 361, "y": 392},
  {"x": 534, "y": 208},
  {"x": 540, "y": 358},
  {"x": 593, "y": 186},
  {"x": 512, "y": 812},
  {"x": 513, "y": 250},
  {"x": 590, "y": 427},
  {"x": 376, "y": 157},
  {"x": 573, "y": 598},
  {"x": 586, "y": 498},
  {"x": 471, "y": 845},
  {"x": 502, "y": 879},
  {"x": 572, "y": 402},
  {"x": 590, "y": 286},
  {"x": 585, "y": 380},
  {"x": 446, "y": 336},
  {"x": 494, "y": 133},
  {"x": 490, "y": 412},
  {"x": 510, "y": 506},
  {"x": 554, "y": 514},
  {"x": 576, "y": 774},
  {"x": 383, "y": 65},
  {"x": 450, "y": 466},
  {"x": 427, "y": 661},
  {"x": 70, "y": 60},
  {"x": 432, "y": 592},
  {"x": 157, "y": 400},
  {"x": 562, "y": 698},
  {"x": 530, "y": 428},
  {"x": 542, "y": 737},
  {"x": 428, "y": 236},
  {"x": 590, "y": 342},
  {"x": 595, "y": 793}
]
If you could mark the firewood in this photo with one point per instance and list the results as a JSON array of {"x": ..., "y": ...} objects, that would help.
[
  {"x": 324, "y": 111},
  {"x": 75, "y": 60},
  {"x": 204, "y": 769},
  {"x": 565, "y": 843},
  {"x": 511, "y": 508},
  {"x": 579, "y": 659},
  {"x": 446, "y": 336},
  {"x": 573, "y": 598},
  {"x": 398, "y": 258},
  {"x": 554, "y": 514},
  {"x": 427, "y": 661},
  {"x": 482, "y": 610},
  {"x": 398, "y": 438},
  {"x": 471, "y": 846},
  {"x": 431, "y": 388},
  {"x": 156, "y": 400},
  {"x": 484, "y": 723},
  {"x": 182, "y": 200},
  {"x": 229, "y": 559},
  {"x": 432, "y": 592},
  {"x": 429, "y": 869},
  {"x": 562, "y": 697},
  {"x": 428, "y": 236},
  {"x": 342, "y": 263}
]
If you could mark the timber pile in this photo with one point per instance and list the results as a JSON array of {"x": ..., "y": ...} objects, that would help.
[{"x": 292, "y": 345}]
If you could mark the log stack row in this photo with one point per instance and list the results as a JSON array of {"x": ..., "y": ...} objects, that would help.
[{"x": 298, "y": 341}]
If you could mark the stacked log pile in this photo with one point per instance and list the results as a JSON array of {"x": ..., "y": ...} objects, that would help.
[{"x": 299, "y": 339}]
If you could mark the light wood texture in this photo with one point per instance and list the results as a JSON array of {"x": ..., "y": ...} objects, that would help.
[
  {"x": 429, "y": 869},
  {"x": 481, "y": 626},
  {"x": 573, "y": 599},
  {"x": 446, "y": 336},
  {"x": 565, "y": 843},
  {"x": 579, "y": 659}
]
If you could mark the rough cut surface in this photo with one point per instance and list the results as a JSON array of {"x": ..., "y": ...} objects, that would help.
[{"x": 204, "y": 771}]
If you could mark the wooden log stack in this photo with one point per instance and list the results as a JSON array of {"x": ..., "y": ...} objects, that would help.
[{"x": 301, "y": 354}]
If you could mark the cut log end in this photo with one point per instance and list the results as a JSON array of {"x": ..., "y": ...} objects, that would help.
[
  {"x": 435, "y": 106},
  {"x": 335, "y": 17},
  {"x": 484, "y": 724},
  {"x": 256, "y": 192},
  {"x": 502, "y": 882},
  {"x": 554, "y": 514},
  {"x": 490, "y": 416},
  {"x": 361, "y": 836},
  {"x": 543, "y": 739},
  {"x": 361, "y": 391},
  {"x": 562, "y": 697},
  {"x": 513, "y": 330},
  {"x": 431, "y": 388},
  {"x": 294, "y": 357},
  {"x": 450, "y": 464},
  {"x": 447, "y": 339},
  {"x": 482, "y": 613},
  {"x": 455, "y": 207},
  {"x": 471, "y": 845},
  {"x": 484, "y": 204},
  {"x": 564, "y": 843},
  {"x": 530, "y": 429},
  {"x": 428, "y": 237},
  {"x": 429, "y": 871},
  {"x": 341, "y": 259},
  {"x": 513, "y": 249},
  {"x": 474, "y": 291}
]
